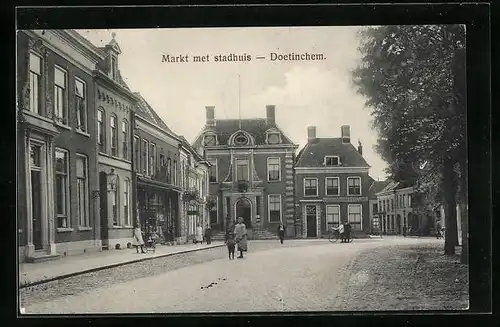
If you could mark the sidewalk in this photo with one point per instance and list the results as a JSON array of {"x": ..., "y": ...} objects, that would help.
[{"x": 34, "y": 273}]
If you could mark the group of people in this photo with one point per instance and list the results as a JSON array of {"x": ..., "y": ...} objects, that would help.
[
  {"x": 200, "y": 236},
  {"x": 236, "y": 236},
  {"x": 344, "y": 230}
]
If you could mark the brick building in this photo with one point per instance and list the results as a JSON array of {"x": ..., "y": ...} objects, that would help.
[
  {"x": 57, "y": 180},
  {"x": 115, "y": 105},
  {"x": 156, "y": 165},
  {"x": 331, "y": 183},
  {"x": 252, "y": 172},
  {"x": 194, "y": 172}
]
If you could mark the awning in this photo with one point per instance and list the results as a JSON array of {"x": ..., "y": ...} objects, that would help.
[{"x": 148, "y": 183}]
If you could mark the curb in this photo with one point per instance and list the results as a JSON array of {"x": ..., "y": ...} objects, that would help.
[{"x": 114, "y": 265}]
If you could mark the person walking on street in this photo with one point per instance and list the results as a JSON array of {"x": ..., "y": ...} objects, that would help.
[
  {"x": 199, "y": 234},
  {"x": 240, "y": 234},
  {"x": 138, "y": 241},
  {"x": 281, "y": 232},
  {"x": 404, "y": 230},
  {"x": 208, "y": 234},
  {"x": 347, "y": 232},
  {"x": 341, "y": 232}
]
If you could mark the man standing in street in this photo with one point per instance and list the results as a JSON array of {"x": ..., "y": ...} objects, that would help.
[
  {"x": 281, "y": 232},
  {"x": 341, "y": 232},
  {"x": 404, "y": 230},
  {"x": 208, "y": 234}
]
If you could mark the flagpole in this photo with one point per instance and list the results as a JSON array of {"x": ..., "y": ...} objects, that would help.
[{"x": 239, "y": 101}]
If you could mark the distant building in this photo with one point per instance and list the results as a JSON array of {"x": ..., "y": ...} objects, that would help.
[
  {"x": 331, "y": 183},
  {"x": 252, "y": 172},
  {"x": 194, "y": 173},
  {"x": 58, "y": 198},
  {"x": 387, "y": 211},
  {"x": 115, "y": 105},
  {"x": 375, "y": 188}
]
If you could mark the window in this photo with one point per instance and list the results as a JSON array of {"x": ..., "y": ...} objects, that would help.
[
  {"x": 257, "y": 205},
  {"x": 60, "y": 107},
  {"x": 126, "y": 202},
  {"x": 125, "y": 139},
  {"x": 331, "y": 160},
  {"x": 209, "y": 140},
  {"x": 136, "y": 153},
  {"x": 310, "y": 186},
  {"x": 114, "y": 136},
  {"x": 81, "y": 105},
  {"x": 409, "y": 200},
  {"x": 35, "y": 82},
  {"x": 374, "y": 208},
  {"x": 82, "y": 190},
  {"x": 392, "y": 204},
  {"x": 332, "y": 186},
  {"x": 144, "y": 164},
  {"x": 353, "y": 186},
  {"x": 62, "y": 188},
  {"x": 242, "y": 170},
  {"x": 332, "y": 216},
  {"x": 241, "y": 139},
  {"x": 169, "y": 168},
  {"x": 274, "y": 208},
  {"x": 273, "y": 138},
  {"x": 152, "y": 159},
  {"x": 213, "y": 172},
  {"x": 114, "y": 204},
  {"x": 174, "y": 176},
  {"x": 273, "y": 169},
  {"x": 354, "y": 212},
  {"x": 100, "y": 130}
]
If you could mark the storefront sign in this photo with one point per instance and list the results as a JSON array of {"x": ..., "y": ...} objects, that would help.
[
  {"x": 350, "y": 199},
  {"x": 192, "y": 212}
]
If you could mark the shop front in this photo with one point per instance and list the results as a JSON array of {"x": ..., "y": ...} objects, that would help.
[{"x": 158, "y": 209}]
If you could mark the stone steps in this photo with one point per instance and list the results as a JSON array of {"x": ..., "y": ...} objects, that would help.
[{"x": 42, "y": 257}]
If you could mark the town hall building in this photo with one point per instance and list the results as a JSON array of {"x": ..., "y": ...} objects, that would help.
[{"x": 251, "y": 172}]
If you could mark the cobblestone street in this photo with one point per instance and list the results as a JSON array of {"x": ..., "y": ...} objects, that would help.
[{"x": 298, "y": 276}]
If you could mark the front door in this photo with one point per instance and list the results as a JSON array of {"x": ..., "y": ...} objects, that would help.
[
  {"x": 36, "y": 194},
  {"x": 311, "y": 220},
  {"x": 243, "y": 209},
  {"x": 103, "y": 180}
]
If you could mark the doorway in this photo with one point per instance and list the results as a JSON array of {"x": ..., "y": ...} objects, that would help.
[
  {"x": 103, "y": 180},
  {"x": 244, "y": 209},
  {"x": 36, "y": 195},
  {"x": 311, "y": 213},
  {"x": 398, "y": 224}
]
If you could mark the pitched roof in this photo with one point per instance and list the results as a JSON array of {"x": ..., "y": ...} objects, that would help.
[
  {"x": 256, "y": 127},
  {"x": 314, "y": 152},
  {"x": 376, "y": 187},
  {"x": 145, "y": 111},
  {"x": 393, "y": 185}
]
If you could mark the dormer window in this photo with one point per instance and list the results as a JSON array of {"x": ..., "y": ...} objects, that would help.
[
  {"x": 331, "y": 161},
  {"x": 241, "y": 139},
  {"x": 210, "y": 140},
  {"x": 273, "y": 137}
]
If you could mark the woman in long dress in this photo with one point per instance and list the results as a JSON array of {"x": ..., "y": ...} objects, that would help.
[
  {"x": 240, "y": 235},
  {"x": 199, "y": 234},
  {"x": 138, "y": 241}
]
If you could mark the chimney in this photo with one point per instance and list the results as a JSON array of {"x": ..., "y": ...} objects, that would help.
[
  {"x": 360, "y": 147},
  {"x": 345, "y": 133},
  {"x": 270, "y": 109},
  {"x": 210, "y": 115},
  {"x": 311, "y": 133}
]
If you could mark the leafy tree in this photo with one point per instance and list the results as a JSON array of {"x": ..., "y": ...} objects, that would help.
[{"x": 413, "y": 78}]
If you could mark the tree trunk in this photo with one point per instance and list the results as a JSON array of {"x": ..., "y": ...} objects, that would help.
[
  {"x": 464, "y": 210},
  {"x": 450, "y": 189}
]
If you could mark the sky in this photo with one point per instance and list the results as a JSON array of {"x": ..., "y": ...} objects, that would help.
[{"x": 306, "y": 93}]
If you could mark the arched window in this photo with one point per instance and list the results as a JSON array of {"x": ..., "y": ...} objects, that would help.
[
  {"x": 114, "y": 134},
  {"x": 101, "y": 130},
  {"x": 125, "y": 139}
]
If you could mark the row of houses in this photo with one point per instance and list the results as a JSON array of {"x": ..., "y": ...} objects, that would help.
[{"x": 93, "y": 157}]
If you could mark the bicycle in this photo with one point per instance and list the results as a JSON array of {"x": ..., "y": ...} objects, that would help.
[{"x": 334, "y": 236}]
